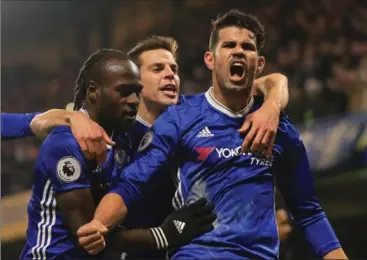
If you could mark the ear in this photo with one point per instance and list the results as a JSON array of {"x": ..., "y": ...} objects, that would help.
[
  {"x": 93, "y": 92},
  {"x": 260, "y": 65},
  {"x": 209, "y": 60}
]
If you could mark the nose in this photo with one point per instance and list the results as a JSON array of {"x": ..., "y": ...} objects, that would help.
[
  {"x": 238, "y": 52},
  {"x": 133, "y": 99},
  {"x": 169, "y": 74}
]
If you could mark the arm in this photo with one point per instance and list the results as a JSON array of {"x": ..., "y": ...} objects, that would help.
[
  {"x": 90, "y": 136},
  {"x": 68, "y": 170},
  {"x": 16, "y": 125},
  {"x": 42, "y": 124},
  {"x": 198, "y": 218},
  {"x": 261, "y": 126},
  {"x": 295, "y": 181},
  {"x": 136, "y": 178},
  {"x": 274, "y": 88}
]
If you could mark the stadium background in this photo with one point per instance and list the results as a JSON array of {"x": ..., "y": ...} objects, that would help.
[{"x": 321, "y": 45}]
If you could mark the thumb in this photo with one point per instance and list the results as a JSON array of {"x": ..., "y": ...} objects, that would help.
[
  {"x": 108, "y": 139},
  {"x": 103, "y": 230},
  {"x": 246, "y": 126}
]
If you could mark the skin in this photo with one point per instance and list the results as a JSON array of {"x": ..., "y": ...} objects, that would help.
[
  {"x": 234, "y": 44},
  {"x": 158, "y": 69}
]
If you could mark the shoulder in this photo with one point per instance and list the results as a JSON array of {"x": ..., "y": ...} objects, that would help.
[{"x": 61, "y": 142}]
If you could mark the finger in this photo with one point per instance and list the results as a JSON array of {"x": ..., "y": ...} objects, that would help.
[
  {"x": 90, "y": 239},
  {"x": 96, "y": 245},
  {"x": 246, "y": 125},
  {"x": 269, "y": 150},
  {"x": 86, "y": 230},
  {"x": 206, "y": 229},
  {"x": 91, "y": 149},
  {"x": 83, "y": 145},
  {"x": 197, "y": 205},
  {"x": 256, "y": 146},
  {"x": 100, "y": 146},
  {"x": 107, "y": 139},
  {"x": 248, "y": 139},
  {"x": 207, "y": 219},
  {"x": 96, "y": 251},
  {"x": 205, "y": 210}
]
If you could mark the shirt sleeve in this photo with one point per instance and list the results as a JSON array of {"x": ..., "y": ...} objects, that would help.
[
  {"x": 63, "y": 161},
  {"x": 16, "y": 125},
  {"x": 295, "y": 181},
  {"x": 156, "y": 149}
]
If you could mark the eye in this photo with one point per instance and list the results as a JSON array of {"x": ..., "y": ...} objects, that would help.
[
  {"x": 229, "y": 45},
  {"x": 248, "y": 46}
]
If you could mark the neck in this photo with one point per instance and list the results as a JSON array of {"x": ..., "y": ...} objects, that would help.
[
  {"x": 148, "y": 112},
  {"x": 93, "y": 116},
  {"x": 234, "y": 100}
]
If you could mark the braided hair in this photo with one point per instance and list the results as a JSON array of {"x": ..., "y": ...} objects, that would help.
[{"x": 90, "y": 69}]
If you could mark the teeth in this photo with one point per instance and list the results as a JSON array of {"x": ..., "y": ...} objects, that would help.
[{"x": 237, "y": 64}]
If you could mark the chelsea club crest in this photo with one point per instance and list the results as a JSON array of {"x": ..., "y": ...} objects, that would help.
[{"x": 120, "y": 156}]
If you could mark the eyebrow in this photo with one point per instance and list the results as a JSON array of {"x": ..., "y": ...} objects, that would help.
[{"x": 162, "y": 64}]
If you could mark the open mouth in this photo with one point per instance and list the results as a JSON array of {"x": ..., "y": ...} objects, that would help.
[
  {"x": 131, "y": 114},
  {"x": 169, "y": 90},
  {"x": 237, "y": 70}
]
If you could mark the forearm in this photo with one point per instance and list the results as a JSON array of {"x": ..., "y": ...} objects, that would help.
[
  {"x": 274, "y": 87},
  {"x": 111, "y": 211},
  {"x": 131, "y": 239},
  {"x": 43, "y": 124},
  {"x": 336, "y": 254}
]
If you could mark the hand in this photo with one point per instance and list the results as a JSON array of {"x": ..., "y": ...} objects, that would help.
[
  {"x": 90, "y": 136},
  {"x": 185, "y": 224},
  {"x": 91, "y": 237},
  {"x": 261, "y": 128},
  {"x": 284, "y": 228}
]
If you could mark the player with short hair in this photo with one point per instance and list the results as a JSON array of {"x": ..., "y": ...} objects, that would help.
[
  {"x": 156, "y": 57},
  {"x": 202, "y": 135},
  {"x": 67, "y": 186}
]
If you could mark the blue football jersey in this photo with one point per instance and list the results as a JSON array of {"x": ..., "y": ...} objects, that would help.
[
  {"x": 151, "y": 210},
  {"x": 62, "y": 167},
  {"x": 203, "y": 136},
  {"x": 16, "y": 125}
]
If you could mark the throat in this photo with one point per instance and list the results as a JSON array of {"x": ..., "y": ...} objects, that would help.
[{"x": 236, "y": 101}]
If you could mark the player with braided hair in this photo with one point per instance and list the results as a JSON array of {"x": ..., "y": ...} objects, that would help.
[{"x": 67, "y": 186}]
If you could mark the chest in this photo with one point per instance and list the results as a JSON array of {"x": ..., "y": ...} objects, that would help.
[
  {"x": 105, "y": 175},
  {"x": 213, "y": 144}
]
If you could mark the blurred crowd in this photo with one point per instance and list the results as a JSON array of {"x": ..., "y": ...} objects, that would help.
[{"x": 321, "y": 45}]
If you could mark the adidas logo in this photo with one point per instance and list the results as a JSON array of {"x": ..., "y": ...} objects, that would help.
[
  {"x": 179, "y": 225},
  {"x": 205, "y": 132}
]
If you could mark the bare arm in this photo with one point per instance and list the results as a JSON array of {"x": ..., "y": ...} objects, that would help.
[
  {"x": 77, "y": 209},
  {"x": 274, "y": 87},
  {"x": 261, "y": 126},
  {"x": 90, "y": 136},
  {"x": 42, "y": 124}
]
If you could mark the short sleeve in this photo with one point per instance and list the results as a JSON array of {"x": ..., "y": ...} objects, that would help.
[{"x": 63, "y": 161}]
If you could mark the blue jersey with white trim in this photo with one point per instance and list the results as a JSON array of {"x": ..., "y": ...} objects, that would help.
[
  {"x": 62, "y": 167},
  {"x": 16, "y": 125},
  {"x": 150, "y": 211},
  {"x": 203, "y": 135}
]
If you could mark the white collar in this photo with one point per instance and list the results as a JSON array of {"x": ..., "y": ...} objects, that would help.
[
  {"x": 141, "y": 120},
  {"x": 222, "y": 108}
]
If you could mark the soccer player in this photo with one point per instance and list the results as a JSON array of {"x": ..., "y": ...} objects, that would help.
[
  {"x": 67, "y": 186},
  {"x": 201, "y": 134}
]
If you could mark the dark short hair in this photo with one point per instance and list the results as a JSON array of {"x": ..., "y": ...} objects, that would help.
[
  {"x": 91, "y": 69},
  {"x": 153, "y": 43},
  {"x": 241, "y": 20}
]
